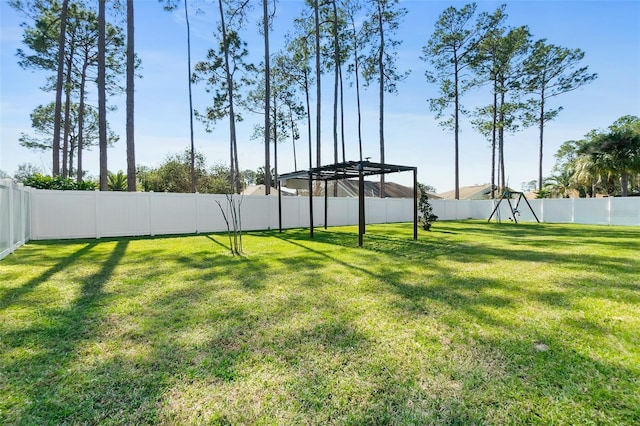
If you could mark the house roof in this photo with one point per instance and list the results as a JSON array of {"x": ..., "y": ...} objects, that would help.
[
  {"x": 372, "y": 189},
  {"x": 475, "y": 192},
  {"x": 349, "y": 188},
  {"x": 260, "y": 190},
  {"x": 468, "y": 192}
]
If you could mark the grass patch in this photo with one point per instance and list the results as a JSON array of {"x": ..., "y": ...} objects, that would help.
[{"x": 474, "y": 323}]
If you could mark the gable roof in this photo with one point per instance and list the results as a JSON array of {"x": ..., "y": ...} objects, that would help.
[
  {"x": 349, "y": 188},
  {"x": 260, "y": 190},
  {"x": 474, "y": 192}
]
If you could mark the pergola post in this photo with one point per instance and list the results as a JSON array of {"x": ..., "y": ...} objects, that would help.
[
  {"x": 310, "y": 204},
  {"x": 279, "y": 206},
  {"x": 361, "y": 217},
  {"x": 415, "y": 204},
  {"x": 326, "y": 204}
]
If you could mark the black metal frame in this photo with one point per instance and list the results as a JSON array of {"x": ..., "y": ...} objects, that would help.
[{"x": 349, "y": 170}]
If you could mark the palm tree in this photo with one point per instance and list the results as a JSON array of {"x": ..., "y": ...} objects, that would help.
[
  {"x": 593, "y": 174},
  {"x": 117, "y": 181},
  {"x": 559, "y": 185}
]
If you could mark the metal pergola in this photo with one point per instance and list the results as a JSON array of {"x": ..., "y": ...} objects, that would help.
[{"x": 348, "y": 170}]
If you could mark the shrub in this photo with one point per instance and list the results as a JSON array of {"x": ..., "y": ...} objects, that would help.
[
  {"x": 41, "y": 181},
  {"x": 425, "y": 210}
]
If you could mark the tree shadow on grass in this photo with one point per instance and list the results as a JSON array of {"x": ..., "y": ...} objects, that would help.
[
  {"x": 207, "y": 332},
  {"x": 210, "y": 269},
  {"x": 553, "y": 251},
  {"x": 226, "y": 247},
  {"x": 12, "y": 295},
  {"x": 42, "y": 376}
]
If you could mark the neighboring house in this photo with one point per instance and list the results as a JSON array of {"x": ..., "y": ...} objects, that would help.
[
  {"x": 349, "y": 188},
  {"x": 476, "y": 192},
  {"x": 260, "y": 190}
]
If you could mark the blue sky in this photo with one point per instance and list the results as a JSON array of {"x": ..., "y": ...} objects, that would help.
[{"x": 607, "y": 31}]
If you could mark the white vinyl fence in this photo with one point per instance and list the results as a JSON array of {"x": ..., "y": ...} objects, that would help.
[
  {"x": 597, "y": 211},
  {"x": 15, "y": 221},
  {"x": 40, "y": 214},
  {"x": 95, "y": 214}
]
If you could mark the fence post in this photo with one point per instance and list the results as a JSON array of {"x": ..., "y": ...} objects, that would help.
[
  {"x": 23, "y": 216},
  {"x": 609, "y": 209},
  {"x": 197, "y": 194},
  {"x": 11, "y": 218},
  {"x": 150, "y": 214},
  {"x": 97, "y": 215},
  {"x": 33, "y": 214}
]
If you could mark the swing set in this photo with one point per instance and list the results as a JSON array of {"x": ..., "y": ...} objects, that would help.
[{"x": 506, "y": 195}]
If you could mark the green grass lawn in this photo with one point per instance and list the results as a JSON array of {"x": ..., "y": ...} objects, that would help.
[{"x": 474, "y": 323}]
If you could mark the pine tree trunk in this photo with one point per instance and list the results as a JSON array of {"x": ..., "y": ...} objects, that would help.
[
  {"x": 131, "y": 156},
  {"x": 493, "y": 139},
  {"x": 456, "y": 126},
  {"x": 275, "y": 140},
  {"x": 67, "y": 115},
  {"x": 336, "y": 60},
  {"x": 193, "y": 149},
  {"x": 293, "y": 139},
  {"x": 59, "y": 83},
  {"x": 308, "y": 105},
  {"x": 382, "y": 76},
  {"x": 541, "y": 128},
  {"x": 501, "y": 141},
  {"x": 357, "y": 76},
  {"x": 344, "y": 153},
  {"x": 267, "y": 99},
  {"x": 316, "y": 16},
  {"x": 81, "y": 111},
  {"x": 102, "y": 98},
  {"x": 233, "y": 148}
]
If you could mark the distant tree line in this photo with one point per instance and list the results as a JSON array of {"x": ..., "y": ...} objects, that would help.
[
  {"x": 342, "y": 41},
  {"x": 605, "y": 162},
  {"x": 83, "y": 53},
  {"x": 470, "y": 50}
]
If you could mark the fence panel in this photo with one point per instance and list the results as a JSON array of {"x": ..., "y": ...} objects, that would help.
[
  {"x": 453, "y": 209},
  {"x": 480, "y": 209},
  {"x": 15, "y": 216},
  {"x": 591, "y": 211},
  {"x": 558, "y": 210},
  {"x": 123, "y": 214},
  {"x": 375, "y": 210},
  {"x": 209, "y": 216},
  {"x": 258, "y": 213},
  {"x": 64, "y": 214},
  {"x": 625, "y": 211},
  {"x": 396, "y": 210},
  {"x": 338, "y": 211},
  {"x": 173, "y": 213}
]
